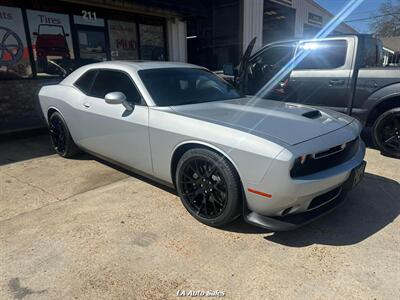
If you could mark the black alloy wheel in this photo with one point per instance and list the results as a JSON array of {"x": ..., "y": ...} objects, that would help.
[
  {"x": 209, "y": 187},
  {"x": 386, "y": 133},
  {"x": 60, "y": 137},
  {"x": 57, "y": 134}
]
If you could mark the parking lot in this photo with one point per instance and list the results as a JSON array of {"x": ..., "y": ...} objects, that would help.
[{"x": 84, "y": 229}]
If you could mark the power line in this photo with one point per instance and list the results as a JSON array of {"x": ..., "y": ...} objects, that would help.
[{"x": 373, "y": 17}]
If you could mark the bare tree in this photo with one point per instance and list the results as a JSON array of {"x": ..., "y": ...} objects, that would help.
[{"x": 386, "y": 22}]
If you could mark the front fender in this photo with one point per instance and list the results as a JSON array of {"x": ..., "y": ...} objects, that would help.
[
  {"x": 208, "y": 145},
  {"x": 387, "y": 92}
]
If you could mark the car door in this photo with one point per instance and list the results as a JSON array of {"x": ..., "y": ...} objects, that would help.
[
  {"x": 111, "y": 130},
  {"x": 322, "y": 77},
  {"x": 264, "y": 65}
]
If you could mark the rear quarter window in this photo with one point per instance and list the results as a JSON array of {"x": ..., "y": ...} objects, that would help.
[{"x": 85, "y": 82}]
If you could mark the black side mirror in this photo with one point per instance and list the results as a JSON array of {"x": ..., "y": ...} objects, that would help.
[{"x": 229, "y": 70}]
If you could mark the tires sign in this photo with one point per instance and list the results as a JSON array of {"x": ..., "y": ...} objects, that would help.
[
  {"x": 51, "y": 42},
  {"x": 14, "y": 54}
]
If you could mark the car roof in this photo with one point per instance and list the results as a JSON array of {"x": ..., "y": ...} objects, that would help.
[
  {"x": 121, "y": 65},
  {"x": 142, "y": 64}
]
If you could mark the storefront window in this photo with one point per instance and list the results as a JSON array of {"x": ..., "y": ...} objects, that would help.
[
  {"x": 14, "y": 53},
  {"x": 151, "y": 42},
  {"x": 123, "y": 40},
  {"x": 91, "y": 37},
  {"x": 51, "y": 42},
  {"x": 92, "y": 45}
]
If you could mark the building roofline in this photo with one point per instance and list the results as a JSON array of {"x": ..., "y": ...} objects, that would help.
[{"x": 312, "y": 2}]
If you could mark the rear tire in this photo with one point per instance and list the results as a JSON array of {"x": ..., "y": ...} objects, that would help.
[
  {"x": 60, "y": 136},
  {"x": 209, "y": 187},
  {"x": 386, "y": 133}
]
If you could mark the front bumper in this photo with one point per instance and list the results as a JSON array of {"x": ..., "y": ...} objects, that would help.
[
  {"x": 291, "y": 222},
  {"x": 296, "y": 193},
  {"x": 295, "y": 202},
  {"x": 322, "y": 205}
]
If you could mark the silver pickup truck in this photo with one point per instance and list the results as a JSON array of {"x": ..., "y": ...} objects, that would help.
[{"x": 344, "y": 73}]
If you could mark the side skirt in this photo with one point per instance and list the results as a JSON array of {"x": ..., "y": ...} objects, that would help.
[{"x": 130, "y": 169}]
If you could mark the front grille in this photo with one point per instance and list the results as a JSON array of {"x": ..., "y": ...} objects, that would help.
[{"x": 325, "y": 159}]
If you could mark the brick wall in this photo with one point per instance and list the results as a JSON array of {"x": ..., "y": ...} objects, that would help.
[{"x": 19, "y": 104}]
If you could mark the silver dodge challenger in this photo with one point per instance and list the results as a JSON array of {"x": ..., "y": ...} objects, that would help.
[{"x": 280, "y": 165}]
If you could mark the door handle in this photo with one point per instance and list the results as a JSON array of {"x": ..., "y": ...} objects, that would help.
[
  {"x": 336, "y": 82},
  {"x": 87, "y": 105}
]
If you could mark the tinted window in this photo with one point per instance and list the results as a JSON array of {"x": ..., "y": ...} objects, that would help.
[
  {"x": 372, "y": 53},
  {"x": 265, "y": 66},
  {"x": 323, "y": 55},
  {"x": 108, "y": 81},
  {"x": 177, "y": 86},
  {"x": 84, "y": 83}
]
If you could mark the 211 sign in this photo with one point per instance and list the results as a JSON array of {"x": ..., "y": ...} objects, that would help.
[{"x": 89, "y": 15}]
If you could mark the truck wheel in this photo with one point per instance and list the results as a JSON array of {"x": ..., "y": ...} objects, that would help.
[{"x": 386, "y": 132}]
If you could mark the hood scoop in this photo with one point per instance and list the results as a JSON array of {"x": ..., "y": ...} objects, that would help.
[{"x": 312, "y": 114}]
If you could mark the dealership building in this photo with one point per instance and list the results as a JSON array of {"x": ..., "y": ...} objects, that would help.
[{"x": 42, "y": 40}]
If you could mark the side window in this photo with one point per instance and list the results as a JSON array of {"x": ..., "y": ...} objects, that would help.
[
  {"x": 108, "y": 81},
  {"x": 266, "y": 65},
  {"x": 323, "y": 55},
  {"x": 85, "y": 82},
  {"x": 275, "y": 57}
]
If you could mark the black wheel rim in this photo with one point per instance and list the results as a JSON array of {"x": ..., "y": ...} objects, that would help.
[
  {"x": 203, "y": 187},
  {"x": 389, "y": 133},
  {"x": 57, "y": 133}
]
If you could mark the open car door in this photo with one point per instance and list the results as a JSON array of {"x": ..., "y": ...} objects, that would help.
[
  {"x": 237, "y": 75},
  {"x": 255, "y": 71},
  {"x": 262, "y": 67},
  {"x": 243, "y": 66}
]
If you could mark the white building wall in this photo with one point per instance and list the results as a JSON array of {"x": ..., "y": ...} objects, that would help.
[
  {"x": 176, "y": 32},
  {"x": 252, "y": 21},
  {"x": 303, "y": 7}
]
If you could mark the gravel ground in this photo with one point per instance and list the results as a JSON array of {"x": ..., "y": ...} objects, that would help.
[{"x": 83, "y": 229}]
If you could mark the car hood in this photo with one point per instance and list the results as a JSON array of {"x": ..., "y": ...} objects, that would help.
[{"x": 289, "y": 122}]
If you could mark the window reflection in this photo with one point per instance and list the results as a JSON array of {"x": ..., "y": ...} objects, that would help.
[{"x": 152, "y": 42}]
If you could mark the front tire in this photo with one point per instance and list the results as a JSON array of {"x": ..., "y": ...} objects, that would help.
[
  {"x": 209, "y": 187},
  {"x": 386, "y": 133},
  {"x": 60, "y": 136}
]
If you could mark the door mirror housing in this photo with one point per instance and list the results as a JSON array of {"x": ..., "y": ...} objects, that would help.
[
  {"x": 228, "y": 69},
  {"x": 118, "y": 98}
]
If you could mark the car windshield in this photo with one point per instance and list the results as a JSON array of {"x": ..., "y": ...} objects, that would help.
[{"x": 179, "y": 86}]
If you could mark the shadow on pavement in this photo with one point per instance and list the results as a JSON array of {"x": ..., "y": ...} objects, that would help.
[
  {"x": 370, "y": 207},
  {"x": 20, "y": 148},
  {"x": 152, "y": 181}
]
